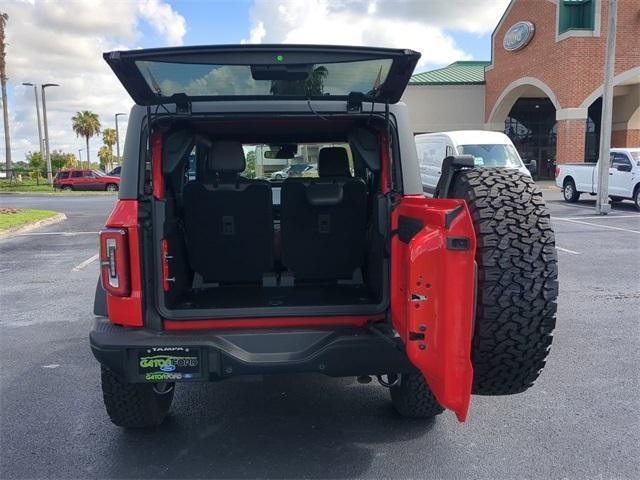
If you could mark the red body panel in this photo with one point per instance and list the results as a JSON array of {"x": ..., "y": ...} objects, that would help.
[
  {"x": 156, "y": 165},
  {"x": 127, "y": 311},
  {"x": 271, "y": 322},
  {"x": 433, "y": 296},
  {"x": 164, "y": 249},
  {"x": 385, "y": 176}
]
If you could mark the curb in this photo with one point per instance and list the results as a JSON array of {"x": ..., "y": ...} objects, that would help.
[
  {"x": 12, "y": 232},
  {"x": 62, "y": 194}
]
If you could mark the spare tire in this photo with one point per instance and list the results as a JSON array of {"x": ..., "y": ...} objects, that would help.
[{"x": 517, "y": 278}]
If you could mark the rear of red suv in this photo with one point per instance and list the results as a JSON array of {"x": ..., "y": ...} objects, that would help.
[{"x": 210, "y": 271}]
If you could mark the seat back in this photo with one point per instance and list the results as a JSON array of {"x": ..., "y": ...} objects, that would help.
[
  {"x": 324, "y": 221},
  {"x": 228, "y": 220}
]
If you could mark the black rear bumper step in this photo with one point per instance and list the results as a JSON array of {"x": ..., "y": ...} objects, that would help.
[{"x": 335, "y": 352}]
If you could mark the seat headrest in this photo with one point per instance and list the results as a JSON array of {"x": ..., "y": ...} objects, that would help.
[
  {"x": 226, "y": 157},
  {"x": 333, "y": 162}
]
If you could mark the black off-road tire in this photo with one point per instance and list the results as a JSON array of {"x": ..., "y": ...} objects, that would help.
[
  {"x": 570, "y": 192},
  {"x": 517, "y": 279},
  {"x": 413, "y": 398},
  {"x": 636, "y": 197},
  {"x": 134, "y": 405}
]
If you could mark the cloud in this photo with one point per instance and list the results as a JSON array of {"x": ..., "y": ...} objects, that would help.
[
  {"x": 63, "y": 42},
  {"x": 417, "y": 24},
  {"x": 164, "y": 19}
]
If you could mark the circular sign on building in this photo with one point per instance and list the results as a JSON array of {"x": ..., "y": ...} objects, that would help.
[{"x": 518, "y": 36}]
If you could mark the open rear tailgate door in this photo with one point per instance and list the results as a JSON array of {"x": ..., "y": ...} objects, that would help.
[
  {"x": 433, "y": 293},
  {"x": 204, "y": 73}
]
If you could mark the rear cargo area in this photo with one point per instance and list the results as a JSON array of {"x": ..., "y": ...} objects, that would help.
[{"x": 239, "y": 240}]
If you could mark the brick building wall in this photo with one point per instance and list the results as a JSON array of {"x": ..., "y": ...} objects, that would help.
[{"x": 571, "y": 68}]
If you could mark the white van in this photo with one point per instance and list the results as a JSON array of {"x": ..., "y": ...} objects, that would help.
[{"x": 490, "y": 149}]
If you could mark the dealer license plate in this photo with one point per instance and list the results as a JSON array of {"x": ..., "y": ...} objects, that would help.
[{"x": 168, "y": 364}]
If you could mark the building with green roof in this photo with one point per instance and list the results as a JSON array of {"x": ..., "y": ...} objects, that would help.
[{"x": 447, "y": 98}]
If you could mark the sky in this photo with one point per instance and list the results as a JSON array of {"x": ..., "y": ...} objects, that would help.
[{"x": 62, "y": 42}]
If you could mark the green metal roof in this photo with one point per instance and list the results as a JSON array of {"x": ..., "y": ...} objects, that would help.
[{"x": 458, "y": 73}]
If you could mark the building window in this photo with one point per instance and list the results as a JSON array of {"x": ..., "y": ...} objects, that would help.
[{"x": 576, "y": 15}]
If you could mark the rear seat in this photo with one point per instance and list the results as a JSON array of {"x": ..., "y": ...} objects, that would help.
[
  {"x": 228, "y": 220},
  {"x": 323, "y": 221}
]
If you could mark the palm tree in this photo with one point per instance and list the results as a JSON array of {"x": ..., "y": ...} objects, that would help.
[
  {"x": 3, "y": 80},
  {"x": 109, "y": 139},
  {"x": 86, "y": 124},
  {"x": 105, "y": 158}
]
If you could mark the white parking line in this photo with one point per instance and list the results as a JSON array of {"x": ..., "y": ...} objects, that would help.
[
  {"x": 573, "y": 252},
  {"x": 609, "y": 227},
  {"x": 64, "y": 234},
  {"x": 81, "y": 265},
  {"x": 598, "y": 217}
]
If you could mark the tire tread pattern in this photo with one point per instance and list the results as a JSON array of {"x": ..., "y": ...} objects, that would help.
[
  {"x": 517, "y": 279},
  {"x": 413, "y": 398},
  {"x": 133, "y": 405}
]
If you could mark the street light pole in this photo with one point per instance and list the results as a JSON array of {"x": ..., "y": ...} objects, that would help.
[
  {"x": 35, "y": 91},
  {"x": 46, "y": 132},
  {"x": 118, "y": 136},
  {"x": 80, "y": 156},
  {"x": 602, "y": 202}
]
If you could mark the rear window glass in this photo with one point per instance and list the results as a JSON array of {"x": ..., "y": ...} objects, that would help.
[
  {"x": 195, "y": 80},
  {"x": 76, "y": 174},
  {"x": 492, "y": 155},
  {"x": 63, "y": 175},
  {"x": 276, "y": 163}
]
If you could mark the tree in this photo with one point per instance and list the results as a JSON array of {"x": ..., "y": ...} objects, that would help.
[
  {"x": 313, "y": 85},
  {"x": 36, "y": 162},
  {"x": 105, "y": 157},
  {"x": 109, "y": 139},
  {"x": 60, "y": 160},
  {"x": 250, "y": 169},
  {"x": 86, "y": 124},
  {"x": 3, "y": 81}
]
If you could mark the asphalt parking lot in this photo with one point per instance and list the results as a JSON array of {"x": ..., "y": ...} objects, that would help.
[{"x": 580, "y": 420}]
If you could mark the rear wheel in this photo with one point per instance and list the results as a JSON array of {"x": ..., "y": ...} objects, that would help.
[
  {"x": 135, "y": 405},
  {"x": 413, "y": 398},
  {"x": 67, "y": 188},
  {"x": 112, "y": 187},
  {"x": 571, "y": 194},
  {"x": 517, "y": 279},
  {"x": 636, "y": 197}
]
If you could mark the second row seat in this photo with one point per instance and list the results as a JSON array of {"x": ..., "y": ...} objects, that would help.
[{"x": 229, "y": 220}]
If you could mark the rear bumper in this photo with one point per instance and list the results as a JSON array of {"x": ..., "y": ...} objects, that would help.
[{"x": 335, "y": 352}]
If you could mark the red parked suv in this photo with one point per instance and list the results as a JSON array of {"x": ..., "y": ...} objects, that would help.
[
  {"x": 86, "y": 180},
  {"x": 209, "y": 271}
]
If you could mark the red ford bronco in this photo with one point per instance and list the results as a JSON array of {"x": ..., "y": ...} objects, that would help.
[{"x": 208, "y": 270}]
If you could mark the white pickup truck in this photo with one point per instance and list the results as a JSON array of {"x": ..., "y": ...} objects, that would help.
[{"x": 624, "y": 177}]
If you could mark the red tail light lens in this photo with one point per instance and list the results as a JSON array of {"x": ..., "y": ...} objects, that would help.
[
  {"x": 114, "y": 262},
  {"x": 557, "y": 171}
]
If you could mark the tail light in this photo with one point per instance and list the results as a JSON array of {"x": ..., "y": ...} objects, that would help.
[
  {"x": 114, "y": 262},
  {"x": 557, "y": 171}
]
